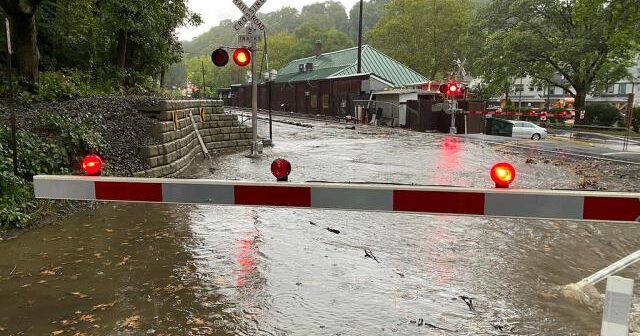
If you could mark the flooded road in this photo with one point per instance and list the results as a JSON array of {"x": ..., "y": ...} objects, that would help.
[{"x": 152, "y": 269}]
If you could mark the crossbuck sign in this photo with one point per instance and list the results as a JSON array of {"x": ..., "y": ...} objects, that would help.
[{"x": 249, "y": 14}]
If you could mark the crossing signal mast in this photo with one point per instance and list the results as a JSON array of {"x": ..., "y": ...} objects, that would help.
[
  {"x": 452, "y": 90},
  {"x": 243, "y": 56}
]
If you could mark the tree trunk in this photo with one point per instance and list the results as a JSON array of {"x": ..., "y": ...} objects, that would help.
[
  {"x": 121, "y": 50},
  {"x": 25, "y": 45},
  {"x": 162, "y": 79},
  {"x": 581, "y": 98}
]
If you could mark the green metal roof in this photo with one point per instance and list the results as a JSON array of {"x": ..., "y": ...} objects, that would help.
[{"x": 344, "y": 63}]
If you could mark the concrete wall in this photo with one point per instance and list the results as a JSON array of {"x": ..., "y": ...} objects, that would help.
[{"x": 177, "y": 144}]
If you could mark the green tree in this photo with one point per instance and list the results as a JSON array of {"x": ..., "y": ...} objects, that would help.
[
  {"x": 307, "y": 34},
  {"x": 371, "y": 13},
  {"x": 285, "y": 19},
  {"x": 328, "y": 14},
  {"x": 426, "y": 35},
  {"x": 591, "y": 43},
  {"x": 281, "y": 49}
]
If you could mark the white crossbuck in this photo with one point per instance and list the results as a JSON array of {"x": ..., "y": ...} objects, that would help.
[
  {"x": 543, "y": 204},
  {"x": 249, "y": 14}
]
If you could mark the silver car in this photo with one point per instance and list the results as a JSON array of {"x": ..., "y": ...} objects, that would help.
[{"x": 527, "y": 130}]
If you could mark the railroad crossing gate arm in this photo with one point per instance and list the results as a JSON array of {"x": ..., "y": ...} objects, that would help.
[{"x": 541, "y": 204}]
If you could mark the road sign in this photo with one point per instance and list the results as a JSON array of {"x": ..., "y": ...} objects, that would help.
[
  {"x": 543, "y": 117},
  {"x": 249, "y": 14},
  {"x": 582, "y": 113},
  {"x": 248, "y": 39}
]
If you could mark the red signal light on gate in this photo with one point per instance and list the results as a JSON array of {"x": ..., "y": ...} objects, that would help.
[
  {"x": 451, "y": 89},
  {"x": 503, "y": 174},
  {"x": 92, "y": 165},
  {"x": 242, "y": 57},
  {"x": 281, "y": 168},
  {"x": 220, "y": 57}
]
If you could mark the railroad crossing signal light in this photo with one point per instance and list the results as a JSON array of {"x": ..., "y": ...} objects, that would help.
[
  {"x": 92, "y": 165},
  {"x": 503, "y": 174},
  {"x": 451, "y": 89},
  {"x": 242, "y": 57},
  {"x": 220, "y": 57},
  {"x": 281, "y": 168}
]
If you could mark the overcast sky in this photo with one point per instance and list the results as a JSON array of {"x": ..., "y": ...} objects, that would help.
[{"x": 214, "y": 11}]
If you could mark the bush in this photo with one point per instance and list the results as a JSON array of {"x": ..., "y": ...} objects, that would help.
[
  {"x": 59, "y": 144},
  {"x": 16, "y": 200},
  {"x": 602, "y": 114}
]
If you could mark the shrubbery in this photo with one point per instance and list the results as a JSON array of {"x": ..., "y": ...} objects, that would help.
[
  {"x": 602, "y": 114},
  {"x": 56, "y": 148}
]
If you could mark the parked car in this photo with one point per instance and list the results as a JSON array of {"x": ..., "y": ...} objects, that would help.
[{"x": 527, "y": 130}]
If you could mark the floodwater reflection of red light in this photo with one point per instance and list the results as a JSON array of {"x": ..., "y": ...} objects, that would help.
[
  {"x": 246, "y": 260},
  {"x": 450, "y": 145},
  {"x": 448, "y": 161}
]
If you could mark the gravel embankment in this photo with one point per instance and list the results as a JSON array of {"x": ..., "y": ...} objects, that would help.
[{"x": 116, "y": 118}]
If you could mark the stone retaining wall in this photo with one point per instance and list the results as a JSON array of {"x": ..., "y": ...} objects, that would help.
[{"x": 177, "y": 143}]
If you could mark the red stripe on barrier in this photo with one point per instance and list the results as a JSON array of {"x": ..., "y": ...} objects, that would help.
[
  {"x": 612, "y": 208},
  {"x": 438, "y": 202},
  {"x": 273, "y": 196},
  {"x": 129, "y": 191}
]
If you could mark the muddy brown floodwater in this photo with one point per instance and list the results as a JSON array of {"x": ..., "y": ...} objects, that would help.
[{"x": 154, "y": 269}]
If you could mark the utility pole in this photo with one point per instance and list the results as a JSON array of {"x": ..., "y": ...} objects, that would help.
[
  {"x": 269, "y": 79},
  {"x": 254, "y": 95},
  {"x": 14, "y": 137},
  {"x": 360, "y": 40},
  {"x": 203, "y": 82}
]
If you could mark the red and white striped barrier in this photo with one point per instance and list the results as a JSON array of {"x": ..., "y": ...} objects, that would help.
[
  {"x": 564, "y": 205},
  {"x": 562, "y": 115}
]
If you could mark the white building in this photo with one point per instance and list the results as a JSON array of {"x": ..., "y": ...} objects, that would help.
[{"x": 529, "y": 95}]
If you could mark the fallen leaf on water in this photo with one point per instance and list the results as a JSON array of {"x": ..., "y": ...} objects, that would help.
[
  {"x": 42, "y": 281},
  {"x": 104, "y": 306},
  {"x": 47, "y": 272},
  {"x": 57, "y": 332},
  {"x": 195, "y": 321},
  {"x": 79, "y": 334},
  {"x": 80, "y": 295},
  {"x": 108, "y": 230},
  {"x": 25, "y": 285},
  {"x": 132, "y": 322},
  {"x": 124, "y": 260},
  {"x": 88, "y": 318}
]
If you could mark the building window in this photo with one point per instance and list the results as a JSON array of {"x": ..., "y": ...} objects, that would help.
[
  {"x": 622, "y": 88},
  {"x": 610, "y": 89},
  {"x": 325, "y": 101},
  {"x": 531, "y": 88}
]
